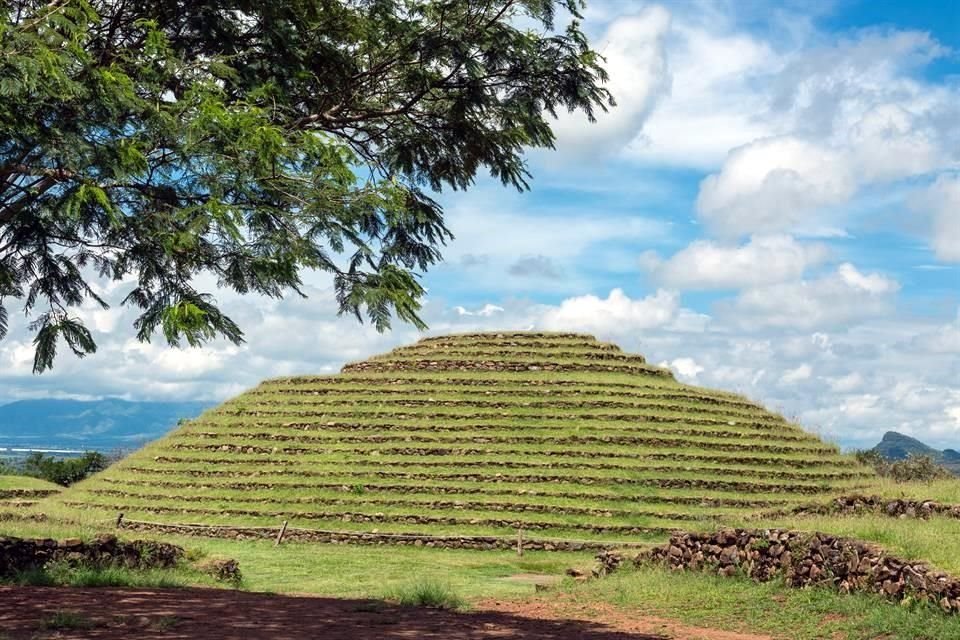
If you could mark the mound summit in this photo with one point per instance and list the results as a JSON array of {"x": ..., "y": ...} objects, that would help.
[{"x": 476, "y": 434}]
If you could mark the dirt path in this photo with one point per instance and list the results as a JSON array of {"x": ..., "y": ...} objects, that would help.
[
  {"x": 213, "y": 614},
  {"x": 641, "y": 626}
]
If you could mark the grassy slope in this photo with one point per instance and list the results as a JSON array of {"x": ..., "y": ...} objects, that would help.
[{"x": 26, "y": 483}]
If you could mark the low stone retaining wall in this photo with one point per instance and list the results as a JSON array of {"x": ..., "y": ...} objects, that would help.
[
  {"x": 18, "y": 554},
  {"x": 480, "y": 365},
  {"x": 803, "y": 559},
  {"x": 893, "y": 507},
  {"x": 14, "y": 494},
  {"x": 484, "y": 543}
]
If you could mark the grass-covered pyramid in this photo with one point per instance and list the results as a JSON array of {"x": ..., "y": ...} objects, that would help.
[{"x": 556, "y": 433}]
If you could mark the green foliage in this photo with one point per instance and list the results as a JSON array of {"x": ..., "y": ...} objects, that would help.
[
  {"x": 142, "y": 141},
  {"x": 66, "y": 621},
  {"x": 426, "y": 593},
  {"x": 83, "y": 574},
  {"x": 913, "y": 468},
  {"x": 64, "y": 471}
]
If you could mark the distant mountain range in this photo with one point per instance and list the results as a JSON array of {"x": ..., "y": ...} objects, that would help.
[
  {"x": 896, "y": 446},
  {"x": 101, "y": 425}
]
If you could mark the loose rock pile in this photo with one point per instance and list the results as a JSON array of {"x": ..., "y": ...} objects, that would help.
[
  {"x": 804, "y": 559},
  {"x": 222, "y": 569},
  {"x": 17, "y": 554}
]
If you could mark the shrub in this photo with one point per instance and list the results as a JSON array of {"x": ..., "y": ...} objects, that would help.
[
  {"x": 426, "y": 593},
  {"x": 913, "y": 468},
  {"x": 66, "y": 620},
  {"x": 63, "y": 471},
  {"x": 66, "y": 574}
]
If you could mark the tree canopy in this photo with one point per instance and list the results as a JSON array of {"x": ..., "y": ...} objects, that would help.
[{"x": 154, "y": 141}]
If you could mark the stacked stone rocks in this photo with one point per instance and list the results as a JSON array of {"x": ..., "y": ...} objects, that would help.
[
  {"x": 805, "y": 559},
  {"x": 895, "y": 508},
  {"x": 482, "y": 543},
  {"x": 17, "y": 554}
]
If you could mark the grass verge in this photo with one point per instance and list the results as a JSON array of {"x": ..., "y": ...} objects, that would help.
[
  {"x": 738, "y": 604},
  {"x": 59, "y": 574}
]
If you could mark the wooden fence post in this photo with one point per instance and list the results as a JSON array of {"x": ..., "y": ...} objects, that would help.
[{"x": 283, "y": 530}]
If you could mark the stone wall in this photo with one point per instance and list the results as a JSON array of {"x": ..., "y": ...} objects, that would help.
[
  {"x": 484, "y": 543},
  {"x": 803, "y": 559},
  {"x": 497, "y": 365},
  {"x": 893, "y": 507},
  {"x": 18, "y": 554}
]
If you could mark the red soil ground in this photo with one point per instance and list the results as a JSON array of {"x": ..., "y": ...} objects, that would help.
[{"x": 215, "y": 614}]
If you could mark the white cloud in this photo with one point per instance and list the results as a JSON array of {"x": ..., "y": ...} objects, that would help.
[
  {"x": 705, "y": 264},
  {"x": 825, "y": 88},
  {"x": 713, "y": 104},
  {"x": 633, "y": 47},
  {"x": 845, "y": 384},
  {"x": 773, "y": 185},
  {"x": 890, "y": 142},
  {"x": 873, "y": 283},
  {"x": 614, "y": 315},
  {"x": 839, "y": 297},
  {"x": 686, "y": 368},
  {"x": 792, "y": 376},
  {"x": 941, "y": 201},
  {"x": 485, "y": 311},
  {"x": 942, "y": 340}
]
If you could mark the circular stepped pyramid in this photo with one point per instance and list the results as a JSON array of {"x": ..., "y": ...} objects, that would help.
[{"x": 477, "y": 434}]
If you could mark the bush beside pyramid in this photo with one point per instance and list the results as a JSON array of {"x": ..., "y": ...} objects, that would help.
[{"x": 558, "y": 434}]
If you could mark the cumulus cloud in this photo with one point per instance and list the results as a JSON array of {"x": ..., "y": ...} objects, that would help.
[
  {"x": 891, "y": 142},
  {"x": 844, "y": 295},
  {"x": 485, "y": 311},
  {"x": 790, "y": 182},
  {"x": 791, "y": 376},
  {"x": 824, "y": 89},
  {"x": 633, "y": 47},
  {"x": 944, "y": 339},
  {"x": 705, "y": 264},
  {"x": 941, "y": 202},
  {"x": 714, "y": 104},
  {"x": 794, "y": 128},
  {"x": 774, "y": 184},
  {"x": 614, "y": 315},
  {"x": 686, "y": 368}
]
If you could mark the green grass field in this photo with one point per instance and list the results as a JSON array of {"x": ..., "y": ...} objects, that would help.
[{"x": 26, "y": 483}]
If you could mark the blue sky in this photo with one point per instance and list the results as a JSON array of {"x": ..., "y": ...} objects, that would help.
[{"x": 773, "y": 208}]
